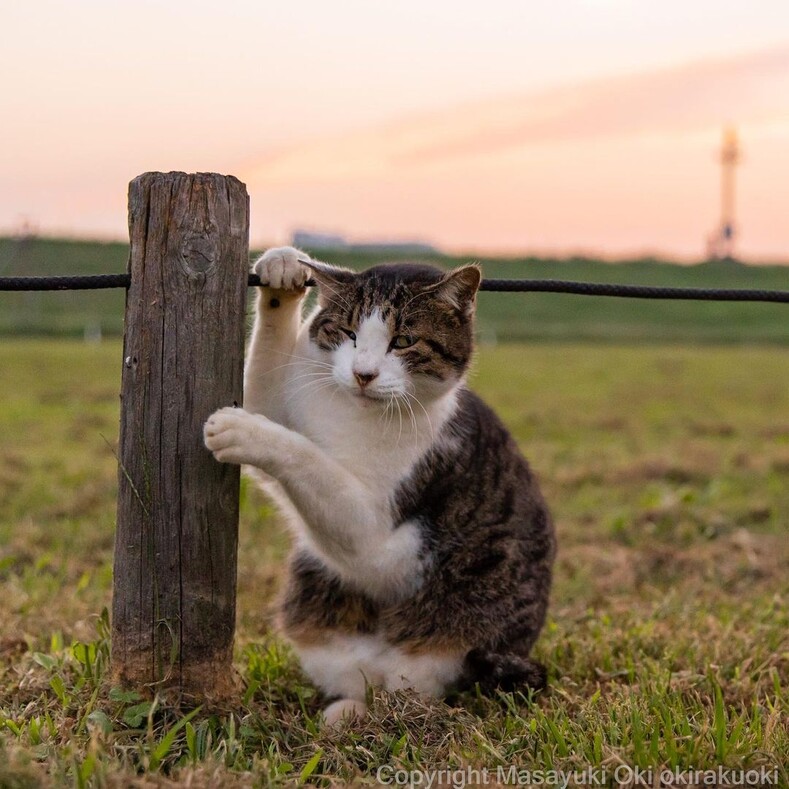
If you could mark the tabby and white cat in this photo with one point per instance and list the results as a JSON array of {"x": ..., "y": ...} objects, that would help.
[{"x": 423, "y": 547}]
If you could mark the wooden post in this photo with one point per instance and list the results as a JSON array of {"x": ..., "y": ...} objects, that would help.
[{"x": 174, "y": 588}]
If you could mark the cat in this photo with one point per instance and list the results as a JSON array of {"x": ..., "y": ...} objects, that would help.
[{"x": 423, "y": 548}]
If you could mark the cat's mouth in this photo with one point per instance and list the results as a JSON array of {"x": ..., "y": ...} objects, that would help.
[
  {"x": 367, "y": 394},
  {"x": 364, "y": 394}
]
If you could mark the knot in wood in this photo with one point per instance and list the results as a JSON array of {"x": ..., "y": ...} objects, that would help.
[{"x": 200, "y": 252}]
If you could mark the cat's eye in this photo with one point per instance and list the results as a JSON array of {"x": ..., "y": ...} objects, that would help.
[
  {"x": 351, "y": 335},
  {"x": 403, "y": 341}
]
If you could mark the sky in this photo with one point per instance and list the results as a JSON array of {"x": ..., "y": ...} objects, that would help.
[{"x": 508, "y": 126}]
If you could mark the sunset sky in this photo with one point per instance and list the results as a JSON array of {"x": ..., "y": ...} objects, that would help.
[{"x": 511, "y": 125}]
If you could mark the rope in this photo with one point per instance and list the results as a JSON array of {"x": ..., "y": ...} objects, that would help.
[
  {"x": 78, "y": 282},
  {"x": 99, "y": 281},
  {"x": 631, "y": 291}
]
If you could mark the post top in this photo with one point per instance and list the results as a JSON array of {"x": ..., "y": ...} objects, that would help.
[{"x": 177, "y": 175}]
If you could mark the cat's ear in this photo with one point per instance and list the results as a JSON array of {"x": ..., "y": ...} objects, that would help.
[
  {"x": 331, "y": 279},
  {"x": 459, "y": 287}
]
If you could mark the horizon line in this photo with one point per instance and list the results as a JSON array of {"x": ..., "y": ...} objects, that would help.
[{"x": 499, "y": 254}]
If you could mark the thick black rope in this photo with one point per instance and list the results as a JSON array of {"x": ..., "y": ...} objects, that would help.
[
  {"x": 631, "y": 291},
  {"x": 75, "y": 282},
  {"x": 99, "y": 281}
]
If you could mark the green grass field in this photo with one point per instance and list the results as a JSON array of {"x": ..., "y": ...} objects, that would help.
[
  {"x": 502, "y": 317},
  {"x": 667, "y": 469}
]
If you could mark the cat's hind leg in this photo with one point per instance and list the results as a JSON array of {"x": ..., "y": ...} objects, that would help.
[
  {"x": 345, "y": 665},
  {"x": 341, "y": 665},
  {"x": 344, "y": 710},
  {"x": 506, "y": 671},
  {"x": 428, "y": 672}
]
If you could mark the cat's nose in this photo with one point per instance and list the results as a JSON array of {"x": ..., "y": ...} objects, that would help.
[{"x": 364, "y": 378}]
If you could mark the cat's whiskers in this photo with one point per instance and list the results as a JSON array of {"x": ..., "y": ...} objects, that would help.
[
  {"x": 393, "y": 403},
  {"x": 430, "y": 457},
  {"x": 325, "y": 380},
  {"x": 393, "y": 408},
  {"x": 309, "y": 359},
  {"x": 383, "y": 416},
  {"x": 279, "y": 389},
  {"x": 299, "y": 363},
  {"x": 310, "y": 378},
  {"x": 413, "y": 397},
  {"x": 400, "y": 417},
  {"x": 304, "y": 380},
  {"x": 308, "y": 373},
  {"x": 413, "y": 420},
  {"x": 387, "y": 412},
  {"x": 319, "y": 387}
]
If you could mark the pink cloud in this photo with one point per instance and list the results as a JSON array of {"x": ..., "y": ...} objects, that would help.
[{"x": 681, "y": 99}]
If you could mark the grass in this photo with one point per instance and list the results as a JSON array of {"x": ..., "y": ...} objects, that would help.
[
  {"x": 667, "y": 469},
  {"x": 503, "y": 316}
]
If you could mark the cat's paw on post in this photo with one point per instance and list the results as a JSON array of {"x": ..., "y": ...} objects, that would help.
[
  {"x": 229, "y": 434},
  {"x": 343, "y": 711},
  {"x": 279, "y": 269}
]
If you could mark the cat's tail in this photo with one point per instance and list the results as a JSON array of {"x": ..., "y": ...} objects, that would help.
[{"x": 503, "y": 671}]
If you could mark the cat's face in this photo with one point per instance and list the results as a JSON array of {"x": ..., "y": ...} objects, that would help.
[{"x": 395, "y": 330}]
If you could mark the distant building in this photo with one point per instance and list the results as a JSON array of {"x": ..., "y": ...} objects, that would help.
[
  {"x": 400, "y": 247},
  {"x": 311, "y": 240},
  {"x": 308, "y": 240}
]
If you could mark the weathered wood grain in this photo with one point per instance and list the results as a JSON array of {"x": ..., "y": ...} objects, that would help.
[{"x": 174, "y": 586}]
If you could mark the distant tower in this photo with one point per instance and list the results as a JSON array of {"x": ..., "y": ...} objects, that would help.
[{"x": 720, "y": 245}]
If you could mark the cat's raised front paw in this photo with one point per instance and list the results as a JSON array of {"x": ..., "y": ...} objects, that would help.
[
  {"x": 279, "y": 269},
  {"x": 230, "y": 434}
]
